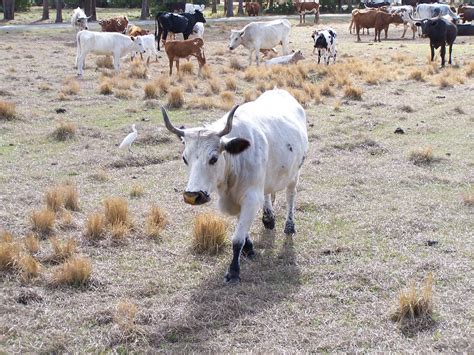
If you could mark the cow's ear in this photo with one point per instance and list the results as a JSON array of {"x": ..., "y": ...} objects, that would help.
[
  {"x": 242, "y": 34},
  {"x": 235, "y": 145},
  {"x": 132, "y": 38},
  {"x": 418, "y": 24}
]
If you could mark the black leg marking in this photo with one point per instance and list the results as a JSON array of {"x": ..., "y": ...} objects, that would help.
[
  {"x": 233, "y": 274},
  {"x": 290, "y": 227},
  {"x": 268, "y": 219},
  {"x": 247, "y": 250}
]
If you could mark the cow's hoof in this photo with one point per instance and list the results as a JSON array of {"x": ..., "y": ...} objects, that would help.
[
  {"x": 231, "y": 278},
  {"x": 268, "y": 219},
  {"x": 290, "y": 228},
  {"x": 249, "y": 254}
]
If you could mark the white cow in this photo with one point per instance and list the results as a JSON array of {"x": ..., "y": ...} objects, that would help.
[
  {"x": 433, "y": 10},
  {"x": 149, "y": 45},
  {"x": 198, "y": 29},
  {"x": 191, "y": 8},
  {"x": 246, "y": 159},
  {"x": 325, "y": 43},
  {"x": 262, "y": 35},
  {"x": 292, "y": 58},
  {"x": 79, "y": 20},
  {"x": 406, "y": 12},
  {"x": 107, "y": 43}
]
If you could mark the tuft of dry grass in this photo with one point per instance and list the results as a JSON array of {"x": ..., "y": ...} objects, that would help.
[
  {"x": 105, "y": 87},
  {"x": 422, "y": 156},
  {"x": 215, "y": 85},
  {"x": 300, "y": 96},
  {"x": 163, "y": 84},
  {"x": 119, "y": 232},
  {"x": 9, "y": 254},
  {"x": 44, "y": 87},
  {"x": 29, "y": 267},
  {"x": 337, "y": 106},
  {"x": 67, "y": 220},
  {"x": 116, "y": 211},
  {"x": 206, "y": 72},
  {"x": 71, "y": 87},
  {"x": 62, "y": 249},
  {"x": 74, "y": 272},
  {"x": 64, "y": 131},
  {"x": 186, "y": 68},
  {"x": 125, "y": 314},
  {"x": 43, "y": 221},
  {"x": 151, "y": 91},
  {"x": 417, "y": 75},
  {"x": 234, "y": 64},
  {"x": 415, "y": 303},
  {"x": 230, "y": 84},
  {"x": 353, "y": 93},
  {"x": 249, "y": 95},
  {"x": 227, "y": 100},
  {"x": 326, "y": 89},
  {"x": 70, "y": 197},
  {"x": 372, "y": 78},
  {"x": 468, "y": 198},
  {"x": 252, "y": 73},
  {"x": 95, "y": 226},
  {"x": 203, "y": 102},
  {"x": 470, "y": 69},
  {"x": 105, "y": 62},
  {"x": 176, "y": 98},
  {"x": 123, "y": 94},
  {"x": 32, "y": 244},
  {"x": 6, "y": 237},
  {"x": 101, "y": 175},
  {"x": 54, "y": 198},
  {"x": 7, "y": 110},
  {"x": 155, "y": 222},
  {"x": 136, "y": 191},
  {"x": 209, "y": 233},
  {"x": 138, "y": 70}
]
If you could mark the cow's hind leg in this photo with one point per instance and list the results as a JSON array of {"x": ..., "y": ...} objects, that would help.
[
  {"x": 268, "y": 217},
  {"x": 290, "y": 201},
  {"x": 450, "y": 52}
]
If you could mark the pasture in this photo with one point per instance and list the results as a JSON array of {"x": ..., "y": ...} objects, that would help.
[{"x": 376, "y": 210}]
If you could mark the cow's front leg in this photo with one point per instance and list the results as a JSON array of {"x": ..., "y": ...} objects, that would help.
[
  {"x": 432, "y": 52},
  {"x": 450, "y": 52},
  {"x": 319, "y": 56},
  {"x": 268, "y": 217},
  {"x": 117, "y": 62},
  {"x": 290, "y": 201},
  {"x": 257, "y": 56},
  {"x": 250, "y": 206},
  {"x": 443, "y": 54},
  {"x": 250, "y": 57}
]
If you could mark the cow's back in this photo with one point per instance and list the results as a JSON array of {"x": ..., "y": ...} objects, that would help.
[{"x": 269, "y": 34}]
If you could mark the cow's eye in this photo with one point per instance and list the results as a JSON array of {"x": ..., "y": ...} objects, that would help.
[
  {"x": 185, "y": 161},
  {"x": 213, "y": 160}
]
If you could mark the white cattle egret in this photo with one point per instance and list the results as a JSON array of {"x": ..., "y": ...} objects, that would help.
[{"x": 129, "y": 139}]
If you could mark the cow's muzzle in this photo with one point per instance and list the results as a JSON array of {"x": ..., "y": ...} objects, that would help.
[
  {"x": 231, "y": 48},
  {"x": 196, "y": 198}
]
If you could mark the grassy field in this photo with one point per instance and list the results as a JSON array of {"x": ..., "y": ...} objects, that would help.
[{"x": 376, "y": 211}]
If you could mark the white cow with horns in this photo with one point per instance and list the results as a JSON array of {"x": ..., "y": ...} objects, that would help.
[
  {"x": 262, "y": 35},
  {"x": 79, "y": 20},
  {"x": 248, "y": 155}
]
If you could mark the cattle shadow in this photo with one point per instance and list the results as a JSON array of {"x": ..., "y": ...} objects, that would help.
[{"x": 270, "y": 279}]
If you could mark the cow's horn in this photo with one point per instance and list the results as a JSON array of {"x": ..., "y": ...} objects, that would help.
[
  {"x": 228, "y": 125},
  {"x": 169, "y": 126},
  {"x": 414, "y": 19}
]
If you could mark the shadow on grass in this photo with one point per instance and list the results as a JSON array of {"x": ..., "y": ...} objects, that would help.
[{"x": 271, "y": 279}]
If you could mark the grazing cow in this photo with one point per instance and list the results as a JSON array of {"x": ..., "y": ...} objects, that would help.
[
  {"x": 306, "y": 8},
  {"x": 261, "y": 35},
  {"x": 191, "y": 8},
  {"x": 249, "y": 154},
  {"x": 382, "y": 21},
  {"x": 325, "y": 43},
  {"x": 168, "y": 22},
  {"x": 404, "y": 12},
  {"x": 134, "y": 31},
  {"x": 466, "y": 13},
  {"x": 252, "y": 8},
  {"x": 115, "y": 44},
  {"x": 433, "y": 10},
  {"x": 115, "y": 24},
  {"x": 79, "y": 20},
  {"x": 185, "y": 49},
  {"x": 292, "y": 58},
  {"x": 440, "y": 31},
  {"x": 149, "y": 45},
  {"x": 198, "y": 29}
]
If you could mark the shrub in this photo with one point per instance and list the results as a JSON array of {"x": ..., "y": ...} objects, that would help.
[
  {"x": 124, "y": 317},
  {"x": 71, "y": 87},
  {"x": 176, "y": 98},
  {"x": 64, "y": 131},
  {"x": 151, "y": 91},
  {"x": 417, "y": 75},
  {"x": 209, "y": 233},
  {"x": 74, "y": 272},
  {"x": 119, "y": 232},
  {"x": 9, "y": 254},
  {"x": 227, "y": 100},
  {"x": 7, "y": 110},
  {"x": 105, "y": 87},
  {"x": 163, "y": 84},
  {"x": 231, "y": 84},
  {"x": 186, "y": 68}
]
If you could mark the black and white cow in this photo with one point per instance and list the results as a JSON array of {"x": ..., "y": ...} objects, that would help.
[
  {"x": 170, "y": 22},
  {"x": 325, "y": 43},
  {"x": 252, "y": 152}
]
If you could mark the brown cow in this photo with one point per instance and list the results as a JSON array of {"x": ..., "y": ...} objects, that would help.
[
  {"x": 304, "y": 8},
  {"x": 382, "y": 21},
  {"x": 466, "y": 12},
  {"x": 352, "y": 25},
  {"x": 134, "y": 31},
  {"x": 115, "y": 24},
  {"x": 185, "y": 49},
  {"x": 364, "y": 20},
  {"x": 252, "y": 8}
]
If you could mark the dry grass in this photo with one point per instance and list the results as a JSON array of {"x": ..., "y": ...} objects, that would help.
[
  {"x": 123, "y": 94},
  {"x": 70, "y": 197},
  {"x": 155, "y": 222},
  {"x": 415, "y": 303},
  {"x": 9, "y": 254},
  {"x": 43, "y": 221},
  {"x": 468, "y": 198},
  {"x": 470, "y": 70},
  {"x": 116, "y": 211},
  {"x": 137, "y": 191},
  {"x": 74, "y": 272},
  {"x": 62, "y": 249},
  {"x": 124, "y": 317},
  {"x": 105, "y": 62},
  {"x": 215, "y": 85},
  {"x": 337, "y": 106},
  {"x": 95, "y": 227},
  {"x": 209, "y": 233},
  {"x": 326, "y": 89},
  {"x": 163, "y": 84},
  {"x": 227, "y": 100},
  {"x": 150, "y": 90},
  {"x": 186, "y": 68},
  {"x": 249, "y": 95},
  {"x": 29, "y": 267},
  {"x": 253, "y": 73},
  {"x": 67, "y": 220},
  {"x": 300, "y": 96},
  {"x": 64, "y": 131},
  {"x": 71, "y": 87},
  {"x": 372, "y": 78},
  {"x": 105, "y": 87},
  {"x": 203, "y": 102},
  {"x": 422, "y": 156},
  {"x": 54, "y": 198},
  {"x": 138, "y": 70},
  {"x": 119, "y": 232},
  {"x": 353, "y": 93},
  {"x": 417, "y": 75},
  {"x": 32, "y": 244},
  {"x": 6, "y": 237},
  {"x": 230, "y": 84},
  {"x": 44, "y": 87},
  {"x": 235, "y": 64},
  {"x": 7, "y": 110},
  {"x": 175, "y": 98}
]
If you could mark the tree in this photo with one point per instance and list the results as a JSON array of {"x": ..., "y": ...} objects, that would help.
[
  {"x": 240, "y": 9},
  {"x": 8, "y": 9},
  {"x": 145, "y": 10},
  {"x": 59, "y": 11},
  {"x": 93, "y": 14},
  {"x": 230, "y": 8},
  {"x": 339, "y": 6},
  {"x": 214, "y": 6},
  {"x": 87, "y": 7},
  {"x": 45, "y": 10}
]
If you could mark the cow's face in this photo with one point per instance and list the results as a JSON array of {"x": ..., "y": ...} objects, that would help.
[
  {"x": 138, "y": 46},
  {"x": 298, "y": 55},
  {"x": 426, "y": 26},
  {"x": 82, "y": 23},
  {"x": 204, "y": 157},
  {"x": 235, "y": 39},
  {"x": 199, "y": 16}
]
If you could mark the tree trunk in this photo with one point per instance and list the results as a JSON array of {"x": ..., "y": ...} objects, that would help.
[
  {"x": 260, "y": 2},
  {"x": 87, "y": 7},
  {"x": 240, "y": 9},
  {"x": 59, "y": 11},
  {"x": 45, "y": 10},
  {"x": 8, "y": 9},
  {"x": 339, "y": 6},
  {"x": 93, "y": 10},
  {"x": 144, "y": 14},
  {"x": 214, "y": 6},
  {"x": 270, "y": 6},
  {"x": 230, "y": 8}
]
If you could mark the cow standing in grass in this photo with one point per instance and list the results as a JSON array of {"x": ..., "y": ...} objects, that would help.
[{"x": 251, "y": 153}]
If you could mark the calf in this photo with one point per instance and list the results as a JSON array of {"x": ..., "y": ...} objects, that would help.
[
  {"x": 325, "y": 43},
  {"x": 134, "y": 31},
  {"x": 286, "y": 59},
  {"x": 466, "y": 13},
  {"x": 382, "y": 21},
  {"x": 251, "y": 153},
  {"x": 364, "y": 20},
  {"x": 115, "y": 24},
  {"x": 149, "y": 45},
  {"x": 185, "y": 49},
  {"x": 115, "y": 44},
  {"x": 79, "y": 20},
  {"x": 440, "y": 31},
  {"x": 305, "y": 8},
  {"x": 252, "y": 8}
]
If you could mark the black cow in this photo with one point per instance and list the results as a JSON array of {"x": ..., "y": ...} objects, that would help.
[
  {"x": 440, "y": 31},
  {"x": 169, "y": 22}
]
